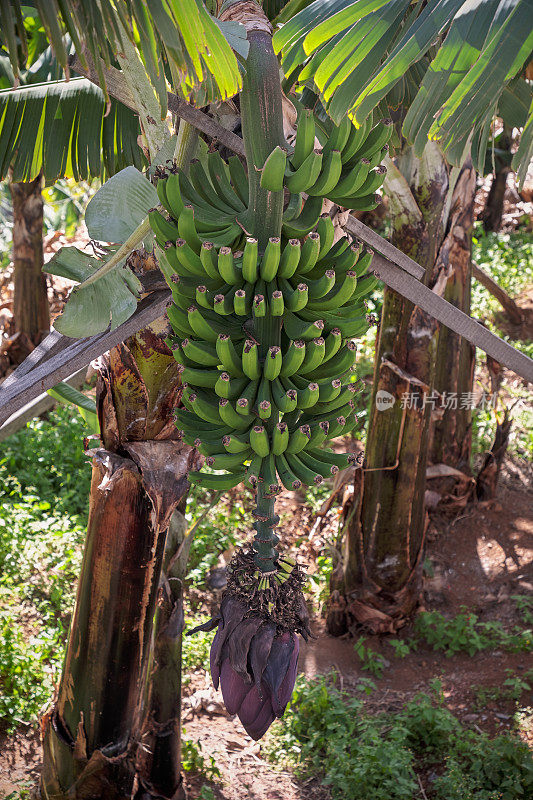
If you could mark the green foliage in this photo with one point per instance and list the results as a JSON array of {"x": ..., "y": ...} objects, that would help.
[
  {"x": 327, "y": 734},
  {"x": 370, "y": 660},
  {"x": 225, "y": 526},
  {"x": 45, "y": 480},
  {"x": 195, "y": 649},
  {"x": 193, "y": 760},
  {"x": 510, "y": 690},
  {"x": 465, "y": 634}
]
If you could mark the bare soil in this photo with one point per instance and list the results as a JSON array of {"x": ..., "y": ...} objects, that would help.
[{"x": 479, "y": 559}]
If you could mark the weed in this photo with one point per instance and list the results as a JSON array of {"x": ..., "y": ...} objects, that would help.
[
  {"x": 326, "y": 734},
  {"x": 465, "y": 634},
  {"x": 370, "y": 660},
  {"x": 401, "y": 648},
  {"x": 193, "y": 760}
]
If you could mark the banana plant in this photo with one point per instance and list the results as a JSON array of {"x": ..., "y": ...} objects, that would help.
[
  {"x": 452, "y": 64},
  {"x": 265, "y": 310}
]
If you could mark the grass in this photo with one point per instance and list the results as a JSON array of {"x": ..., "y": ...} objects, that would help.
[{"x": 326, "y": 734}]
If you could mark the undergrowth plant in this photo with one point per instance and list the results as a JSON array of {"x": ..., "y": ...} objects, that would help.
[{"x": 327, "y": 734}]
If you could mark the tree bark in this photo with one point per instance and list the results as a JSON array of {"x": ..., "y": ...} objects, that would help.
[
  {"x": 455, "y": 359},
  {"x": 382, "y": 564},
  {"x": 91, "y": 734},
  {"x": 31, "y": 313}
]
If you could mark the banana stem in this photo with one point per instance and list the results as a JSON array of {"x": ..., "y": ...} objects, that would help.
[{"x": 262, "y": 126}]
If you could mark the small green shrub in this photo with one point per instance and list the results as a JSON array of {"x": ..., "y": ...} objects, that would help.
[
  {"x": 327, "y": 734},
  {"x": 465, "y": 634}
]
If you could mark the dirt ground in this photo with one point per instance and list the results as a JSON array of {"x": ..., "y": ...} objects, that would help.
[{"x": 479, "y": 559}]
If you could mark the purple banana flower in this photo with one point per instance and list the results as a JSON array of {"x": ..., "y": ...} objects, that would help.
[{"x": 255, "y": 666}]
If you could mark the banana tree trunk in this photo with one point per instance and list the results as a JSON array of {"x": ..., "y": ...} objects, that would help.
[
  {"x": 31, "y": 313},
  {"x": 90, "y": 735},
  {"x": 158, "y": 758},
  {"x": 454, "y": 374},
  {"x": 382, "y": 565}
]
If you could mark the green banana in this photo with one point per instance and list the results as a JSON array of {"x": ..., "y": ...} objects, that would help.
[
  {"x": 208, "y": 260},
  {"x": 366, "y": 202},
  {"x": 187, "y": 229},
  {"x": 305, "y": 138},
  {"x": 298, "y": 439},
  {"x": 304, "y": 176},
  {"x": 293, "y": 207},
  {"x": 231, "y": 418},
  {"x": 309, "y": 254},
  {"x": 316, "y": 465},
  {"x": 271, "y": 259},
  {"x": 236, "y": 443},
  {"x": 329, "y": 175},
  {"x": 227, "y": 355},
  {"x": 285, "y": 400},
  {"x": 294, "y": 299},
  {"x": 201, "y": 182},
  {"x": 173, "y": 193},
  {"x": 307, "y": 219},
  {"x": 250, "y": 360},
  {"x": 333, "y": 343},
  {"x": 239, "y": 178},
  {"x": 329, "y": 390},
  {"x": 356, "y": 138},
  {"x": 297, "y": 328},
  {"x": 250, "y": 260},
  {"x": 326, "y": 231},
  {"x": 259, "y": 441},
  {"x": 374, "y": 180},
  {"x": 228, "y": 460},
  {"x": 321, "y": 286},
  {"x": 274, "y": 170},
  {"x": 247, "y": 398},
  {"x": 339, "y": 136},
  {"x": 293, "y": 358},
  {"x": 268, "y": 475},
  {"x": 165, "y": 231},
  {"x": 242, "y": 302},
  {"x": 228, "y": 387},
  {"x": 319, "y": 434},
  {"x": 280, "y": 438},
  {"x": 340, "y": 363},
  {"x": 205, "y": 378},
  {"x": 203, "y": 406},
  {"x": 227, "y": 268},
  {"x": 338, "y": 296},
  {"x": 376, "y": 139},
  {"x": 200, "y": 352},
  {"x": 277, "y": 303},
  {"x": 221, "y": 483},
  {"x": 314, "y": 355},
  {"x": 272, "y": 365},
  {"x": 253, "y": 473},
  {"x": 219, "y": 174},
  {"x": 303, "y": 473},
  {"x": 352, "y": 181},
  {"x": 286, "y": 475},
  {"x": 341, "y": 460}
]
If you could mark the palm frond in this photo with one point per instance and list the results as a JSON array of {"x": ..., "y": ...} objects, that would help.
[
  {"x": 178, "y": 31},
  {"x": 358, "y": 55},
  {"x": 61, "y": 129}
]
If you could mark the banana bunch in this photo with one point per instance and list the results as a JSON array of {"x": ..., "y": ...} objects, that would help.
[
  {"x": 203, "y": 205},
  {"x": 346, "y": 169},
  {"x": 264, "y": 418}
]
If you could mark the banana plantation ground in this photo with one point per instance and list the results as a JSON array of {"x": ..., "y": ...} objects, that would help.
[{"x": 397, "y": 717}]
